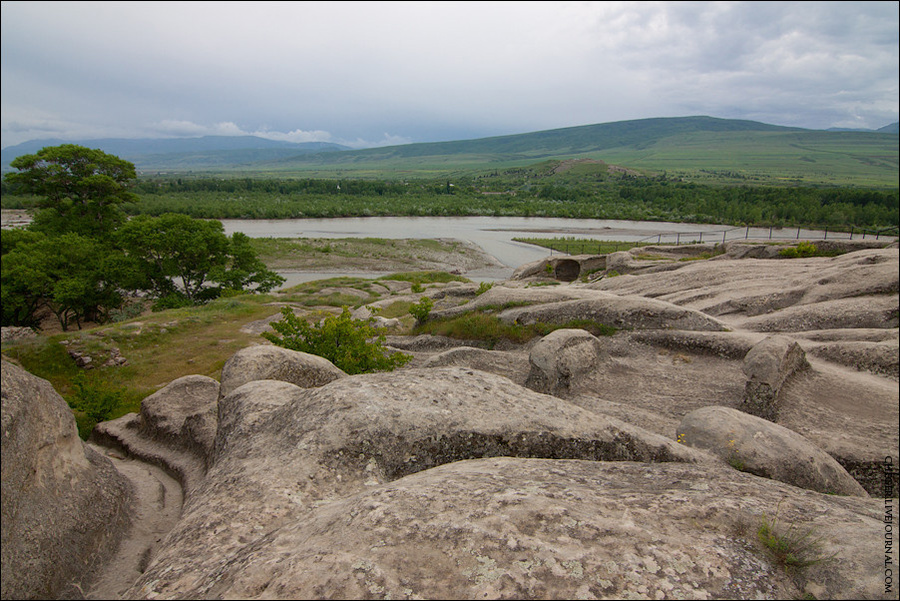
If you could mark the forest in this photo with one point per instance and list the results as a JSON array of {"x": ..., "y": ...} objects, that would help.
[{"x": 529, "y": 192}]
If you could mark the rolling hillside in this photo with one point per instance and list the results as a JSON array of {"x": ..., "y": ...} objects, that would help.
[
  {"x": 207, "y": 152},
  {"x": 696, "y": 148}
]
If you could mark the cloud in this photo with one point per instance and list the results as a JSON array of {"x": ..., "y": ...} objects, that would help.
[{"x": 347, "y": 72}]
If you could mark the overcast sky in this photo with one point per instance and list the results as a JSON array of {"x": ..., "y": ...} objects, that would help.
[{"x": 377, "y": 73}]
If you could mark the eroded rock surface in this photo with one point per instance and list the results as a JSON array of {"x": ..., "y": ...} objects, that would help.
[
  {"x": 64, "y": 506},
  {"x": 267, "y": 362},
  {"x": 752, "y": 444},
  {"x": 449, "y": 479}
]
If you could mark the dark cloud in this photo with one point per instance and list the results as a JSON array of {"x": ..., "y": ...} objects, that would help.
[{"x": 381, "y": 72}]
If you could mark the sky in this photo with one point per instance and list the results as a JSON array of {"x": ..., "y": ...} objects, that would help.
[{"x": 367, "y": 74}]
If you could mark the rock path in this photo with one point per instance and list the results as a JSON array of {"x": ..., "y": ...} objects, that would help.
[{"x": 158, "y": 502}]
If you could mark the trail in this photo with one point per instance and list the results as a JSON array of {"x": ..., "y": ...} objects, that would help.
[{"x": 158, "y": 503}]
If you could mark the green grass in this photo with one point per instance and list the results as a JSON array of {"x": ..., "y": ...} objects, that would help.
[
  {"x": 483, "y": 326},
  {"x": 160, "y": 347},
  {"x": 790, "y": 547},
  {"x": 425, "y": 277},
  {"x": 581, "y": 246}
]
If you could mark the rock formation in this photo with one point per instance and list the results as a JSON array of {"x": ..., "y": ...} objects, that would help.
[
  {"x": 64, "y": 506},
  {"x": 572, "y": 466}
]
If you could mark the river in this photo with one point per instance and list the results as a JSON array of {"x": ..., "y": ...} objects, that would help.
[{"x": 495, "y": 235}]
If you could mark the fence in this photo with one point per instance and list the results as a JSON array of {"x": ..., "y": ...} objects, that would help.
[{"x": 731, "y": 234}]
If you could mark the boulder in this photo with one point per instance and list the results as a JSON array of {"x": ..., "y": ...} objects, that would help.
[
  {"x": 183, "y": 414},
  {"x": 267, "y": 362},
  {"x": 767, "y": 366},
  {"x": 629, "y": 312},
  {"x": 755, "y": 445},
  {"x": 530, "y": 528},
  {"x": 283, "y": 451},
  {"x": 64, "y": 506},
  {"x": 562, "y": 357},
  {"x": 619, "y": 262},
  {"x": 13, "y": 333}
]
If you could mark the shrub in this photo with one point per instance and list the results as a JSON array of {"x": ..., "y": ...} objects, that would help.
[
  {"x": 354, "y": 345},
  {"x": 421, "y": 309},
  {"x": 94, "y": 402}
]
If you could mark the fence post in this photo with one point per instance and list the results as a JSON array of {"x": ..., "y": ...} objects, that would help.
[
  {"x": 725, "y": 233},
  {"x": 798, "y": 233},
  {"x": 747, "y": 235},
  {"x": 701, "y": 237},
  {"x": 826, "y": 234},
  {"x": 770, "y": 233},
  {"x": 851, "y": 232}
]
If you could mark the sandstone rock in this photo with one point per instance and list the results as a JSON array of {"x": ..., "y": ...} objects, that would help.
[
  {"x": 619, "y": 262},
  {"x": 266, "y": 362},
  {"x": 767, "y": 366},
  {"x": 12, "y": 333},
  {"x": 283, "y": 451},
  {"x": 183, "y": 414},
  {"x": 876, "y": 312},
  {"x": 561, "y": 357},
  {"x": 511, "y": 365},
  {"x": 757, "y": 446},
  {"x": 64, "y": 506},
  {"x": 541, "y": 529},
  {"x": 630, "y": 312}
]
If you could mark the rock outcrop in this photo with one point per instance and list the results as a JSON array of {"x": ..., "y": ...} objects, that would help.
[
  {"x": 768, "y": 365},
  {"x": 613, "y": 476},
  {"x": 562, "y": 357},
  {"x": 267, "y": 362},
  {"x": 64, "y": 506},
  {"x": 757, "y": 446}
]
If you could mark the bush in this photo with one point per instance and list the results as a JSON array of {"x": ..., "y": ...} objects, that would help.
[
  {"x": 94, "y": 402},
  {"x": 354, "y": 345},
  {"x": 421, "y": 309}
]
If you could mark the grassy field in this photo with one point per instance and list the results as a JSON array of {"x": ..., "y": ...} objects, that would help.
[{"x": 162, "y": 346}]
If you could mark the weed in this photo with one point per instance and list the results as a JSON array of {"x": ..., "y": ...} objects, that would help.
[
  {"x": 482, "y": 288},
  {"x": 790, "y": 548}
]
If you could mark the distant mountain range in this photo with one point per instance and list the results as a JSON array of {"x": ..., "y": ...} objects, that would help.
[
  {"x": 200, "y": 153},
  {"x": 749, "y": 149}
]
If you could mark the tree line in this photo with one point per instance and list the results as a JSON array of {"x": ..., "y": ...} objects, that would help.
[
  {"x": 81, "y": 259},
  {"x": 512, "y": 193}
]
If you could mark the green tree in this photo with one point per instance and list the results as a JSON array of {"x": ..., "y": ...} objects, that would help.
[
  {"x": 80, "y": 189},
  {"x": 187, "y": 261},
  {"x": 72, "y": 276},
  {"x": 245, "y": 270},
  {"x": 175, "y": 254}
]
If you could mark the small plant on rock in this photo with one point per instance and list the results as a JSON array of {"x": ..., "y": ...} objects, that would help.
[
  {"x": 789, "y": 547},
  {"x": 734, "y": 458}
]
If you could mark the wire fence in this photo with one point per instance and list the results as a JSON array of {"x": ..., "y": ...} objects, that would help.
[
  {"x": 570, "y": 247},
  {"x": 771, "y": 233}
]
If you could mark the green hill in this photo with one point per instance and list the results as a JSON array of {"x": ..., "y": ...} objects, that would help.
[{"x": 697, "y": 148}]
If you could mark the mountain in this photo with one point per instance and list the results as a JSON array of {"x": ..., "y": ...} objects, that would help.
[
  {"x": 893, "y": 128},
  {"x": 698, "y": 148},
  {"x": 176, "y": 153}
]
